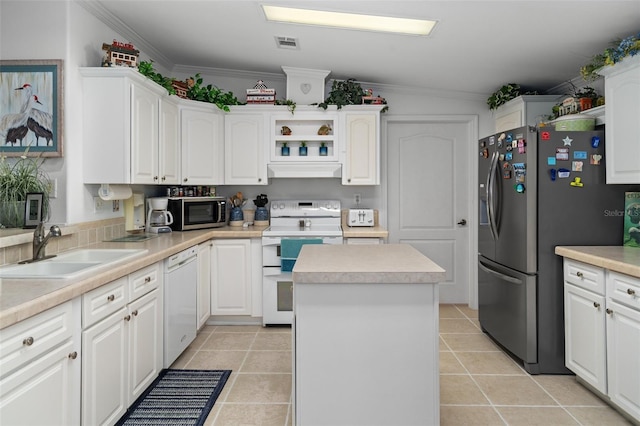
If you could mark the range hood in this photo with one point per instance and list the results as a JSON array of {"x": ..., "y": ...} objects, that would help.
[{"x": 304, "y": 170}]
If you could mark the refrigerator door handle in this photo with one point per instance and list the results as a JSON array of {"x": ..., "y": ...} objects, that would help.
[
  {"x": 491, "y": 178},
  {"x": 499, "y": 275}
]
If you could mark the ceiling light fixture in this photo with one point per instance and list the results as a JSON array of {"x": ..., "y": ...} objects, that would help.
[{"x": 348, "y": 20}]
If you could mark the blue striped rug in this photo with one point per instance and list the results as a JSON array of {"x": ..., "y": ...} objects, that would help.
[{"x": 177, "y": 397}]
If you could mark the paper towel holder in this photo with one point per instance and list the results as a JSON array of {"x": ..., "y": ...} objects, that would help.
[{"x": 114, "y": 192}]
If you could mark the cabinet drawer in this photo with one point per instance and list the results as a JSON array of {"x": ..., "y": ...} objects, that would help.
[
  {"x": 28, "y": 339},
  {"x": 624, "y": 289},
  {"x": 103, "y": 301},
  {"x": 585, "y": 276},
  {"x": 143, "y": 281}
]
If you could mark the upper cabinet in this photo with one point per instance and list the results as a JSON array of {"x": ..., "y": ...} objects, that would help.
[
  {"x": 361, "y": 146},
  {"x": 202, "y": 144},
  {"x": 522, "y": 111},
  {"x": 622, "y": 92},
  {"x": 244, "y": 147},
  {"x": 122, "y": 125}
]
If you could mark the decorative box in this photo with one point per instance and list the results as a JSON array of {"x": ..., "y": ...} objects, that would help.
[{"x": 305, "y": 86}]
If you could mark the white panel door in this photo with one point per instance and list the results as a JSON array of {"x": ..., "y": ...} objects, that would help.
[{"x": 429, "y": 197}]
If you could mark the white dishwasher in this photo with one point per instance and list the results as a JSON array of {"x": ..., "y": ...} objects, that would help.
[{"x": 180, "y": 288}]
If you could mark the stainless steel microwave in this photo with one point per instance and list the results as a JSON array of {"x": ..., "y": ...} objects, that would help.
[{"x": 197, "y": 212}]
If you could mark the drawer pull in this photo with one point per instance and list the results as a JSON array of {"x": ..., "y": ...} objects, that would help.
[
  {"x": 631, "y": 291},
  {"x": 73, "y": 355},
  {"x": 596, "y": 305},
  {"x": 111, "y": 298},
  {"x": 135, "y": 313},
  {"x": 147, "y": 280},
  {"x": 609, "y": 311},
  {"x": 579, "y": 274},
  {"x": 127, "y": 318},
  {"x": 28, "y": 341}
]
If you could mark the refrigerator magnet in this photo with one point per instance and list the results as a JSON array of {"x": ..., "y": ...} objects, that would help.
[
  {"x": 506, "y": 174},
  {"x": 551, "y": 161},
  {"x": 508, "y": 156},
  {"x": 562, "y": 154},
  {"x": 564, "y": 173},
  {"x": 595, "y": 159},
  {"x": 519, "y": 188},
  {"x": 545, "y": 135},
  {"x": 567, "y": 141},
  {"x": 579, "y": 155},
  {"x": 576, "y": 166},
  {"x": 501, "y": 157},
  {"x": 595, "y": 141},
  {"x": 552, "y": 173},
  {"x": 577, "y": 182}
]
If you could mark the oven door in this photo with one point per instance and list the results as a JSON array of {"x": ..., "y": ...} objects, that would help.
[{"x": 277, "y": 296}]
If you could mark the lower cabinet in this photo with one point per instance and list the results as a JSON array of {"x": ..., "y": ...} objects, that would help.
[
  {"x": 122, "y": 350},
  {"x": 236, "y": 277},
  {"x": 40, "y": 369},
  {"x": 602, "y": 332}
]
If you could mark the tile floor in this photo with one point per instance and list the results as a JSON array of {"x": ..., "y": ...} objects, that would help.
[{"x": 479, "y": 383}]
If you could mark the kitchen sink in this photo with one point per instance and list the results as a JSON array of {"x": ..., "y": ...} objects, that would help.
[
  {"x": 68, "y": 265},
  {"x": 97, "y": 255}
]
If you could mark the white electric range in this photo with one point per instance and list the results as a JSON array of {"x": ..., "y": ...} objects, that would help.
[{"x": 314, "y": 221}]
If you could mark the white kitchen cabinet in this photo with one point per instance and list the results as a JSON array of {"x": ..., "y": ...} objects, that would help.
[
  {"x": 245, "y": 149},
  {"x": 361, "y": 147},
  {"x": 203, "y": 306},
  {"x": 231, "y": 279},
  {"x": 169, "y": 142},
  {"x": 202, "y": 144},
  {"x": 523, "y": 110},
  {"x": 585, "y": 335},
  {"x": 602, "y": 332},
  {"x": 40, "y": 369},
  {"x": 622, "y": 91},
  {"x": 122, "y": 352},
  {"x": 121, "y": 126}
]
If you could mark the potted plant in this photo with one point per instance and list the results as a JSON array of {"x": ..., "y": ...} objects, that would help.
[
  {"x": 345, "y": 92},
  {"x": 17, "y": 179},
  {"x": 323, "y": 149},
  {"x": 285, "y": 149},
  {"x": 302, "y": 150},
  {"x": 505, "y": 94},
  {"x": 620, "y": 49}
]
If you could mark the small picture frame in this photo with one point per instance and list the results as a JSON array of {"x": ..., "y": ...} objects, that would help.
[{"x": 33, "y": 209}]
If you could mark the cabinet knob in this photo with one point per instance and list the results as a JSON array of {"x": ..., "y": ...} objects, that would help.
[
  {"x": 349, "y": 180},
  {"x": 73, "y": 355},
  {"x": 579, "y": 274},
  {"x": 631, "y": 291},
  {"x": 608, "y": 311},
  {"x": 259, "y": 179},
  {"x": 111, "y": 298},
  {"x": 155, "y": 178},
  {"x": 147, "y": 280},
  {"x": 135, "y": 313},
  {"x": 164, "y": 178},
  {"x": 185, "y": 179},
  {"x": 596, "y": 305},
  {"x": 28, "y": 341},
  {"x": 127, "y": 318}
]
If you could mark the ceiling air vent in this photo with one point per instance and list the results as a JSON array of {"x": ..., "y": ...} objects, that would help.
[{"x": 287, "y": 42}]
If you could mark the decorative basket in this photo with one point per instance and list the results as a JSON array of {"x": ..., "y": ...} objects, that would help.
[{"x": 575, "y": 122}]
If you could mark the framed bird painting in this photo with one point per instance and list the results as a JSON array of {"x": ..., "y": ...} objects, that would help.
[{"x": 31, "y": 108}]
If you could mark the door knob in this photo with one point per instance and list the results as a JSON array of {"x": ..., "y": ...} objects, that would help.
[{"x": 462, "y": 222}]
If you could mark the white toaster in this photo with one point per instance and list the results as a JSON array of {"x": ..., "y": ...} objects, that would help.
[{"x": 360, "y": 217}]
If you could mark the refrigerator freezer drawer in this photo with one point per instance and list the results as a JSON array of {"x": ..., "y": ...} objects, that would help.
[{"x": 507, "y": 309}]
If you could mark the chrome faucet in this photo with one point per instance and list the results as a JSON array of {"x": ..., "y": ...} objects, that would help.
[{"x": 40, "y": 240}]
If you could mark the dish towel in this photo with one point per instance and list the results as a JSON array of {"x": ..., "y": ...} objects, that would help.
[{"x": 290, "y": 249}]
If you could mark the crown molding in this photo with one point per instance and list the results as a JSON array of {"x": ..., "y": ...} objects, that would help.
[
  {"x": 226, "y": 72},
  {"x": 97, "y": 9}
]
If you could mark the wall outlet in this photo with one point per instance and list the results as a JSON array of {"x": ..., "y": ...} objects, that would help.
[
  {"x": 101, "y": 206},
  {"x": 357, "y": 198},
  {"x": 53, "y": 188}
]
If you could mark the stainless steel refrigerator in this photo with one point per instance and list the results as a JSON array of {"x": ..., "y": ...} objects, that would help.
[{"x": 538, "y": 189}]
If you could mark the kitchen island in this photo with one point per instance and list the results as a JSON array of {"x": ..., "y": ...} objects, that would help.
[{"x": 365, "y": 336}]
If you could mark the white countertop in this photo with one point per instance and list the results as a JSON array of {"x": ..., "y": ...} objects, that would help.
[
  {"x": 382, "y": 263},
  {"x": 625, "y": 260}
]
